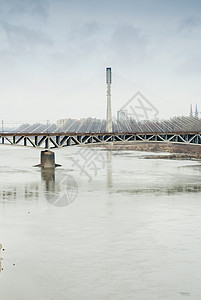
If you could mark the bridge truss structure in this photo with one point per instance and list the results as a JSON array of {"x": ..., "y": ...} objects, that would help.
[{"x": 59, "y": 140}]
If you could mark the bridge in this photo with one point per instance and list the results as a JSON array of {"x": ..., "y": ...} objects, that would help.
[
  {"x": 49, "y": 141},
  {"x": 182, "y": 130},
  {"x": 59, "y": 140}
]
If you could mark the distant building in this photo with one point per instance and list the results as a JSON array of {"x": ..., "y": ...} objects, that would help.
[
  {"x": 122, "y": 115},
  {"x": 196, "y": 111},
  {"x": 191, "y": 111},
  {"x": 196, "y": 114}
]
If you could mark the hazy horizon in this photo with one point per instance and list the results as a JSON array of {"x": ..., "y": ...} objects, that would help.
[{"x": 54, "y": 55}]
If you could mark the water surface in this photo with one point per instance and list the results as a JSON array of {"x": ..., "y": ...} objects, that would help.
[{"x": 106, "y": 225}]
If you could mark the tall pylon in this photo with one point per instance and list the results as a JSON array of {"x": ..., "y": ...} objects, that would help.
[{"x": 109, "y": 110}]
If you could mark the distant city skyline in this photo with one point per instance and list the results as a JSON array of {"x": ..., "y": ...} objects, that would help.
[{"x": 53, "y": 56}]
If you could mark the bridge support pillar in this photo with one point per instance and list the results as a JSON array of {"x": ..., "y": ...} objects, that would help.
[{"x": 47, "y": 160}]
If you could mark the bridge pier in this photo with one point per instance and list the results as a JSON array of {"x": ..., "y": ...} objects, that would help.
[{"x": 47, "y": 160}]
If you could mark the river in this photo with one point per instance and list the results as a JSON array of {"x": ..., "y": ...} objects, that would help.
[{"x": 107, "y": 225}]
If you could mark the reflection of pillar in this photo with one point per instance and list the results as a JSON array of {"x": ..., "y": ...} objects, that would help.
[
  {"x": 48, "y": 176},
  {"x": 109, "y": 111},
  {"x": 109, "y": 169}
]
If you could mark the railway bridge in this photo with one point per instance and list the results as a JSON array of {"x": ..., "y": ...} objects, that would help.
[{"x": 49, "y": 141}]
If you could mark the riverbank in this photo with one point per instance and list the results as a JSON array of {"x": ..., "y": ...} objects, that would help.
[{"x": 179, "y": 151}]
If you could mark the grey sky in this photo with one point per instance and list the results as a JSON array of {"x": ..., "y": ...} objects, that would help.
[{"x": 49, "y": 48}]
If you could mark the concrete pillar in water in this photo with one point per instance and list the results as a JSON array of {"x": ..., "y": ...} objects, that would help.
[{"x": 47, "y": 160}]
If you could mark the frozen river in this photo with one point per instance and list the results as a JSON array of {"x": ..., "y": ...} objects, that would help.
[{"x": 105, "y": 226}]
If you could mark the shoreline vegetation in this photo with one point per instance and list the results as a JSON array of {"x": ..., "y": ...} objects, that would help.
[{"x": 175, "y": 151}]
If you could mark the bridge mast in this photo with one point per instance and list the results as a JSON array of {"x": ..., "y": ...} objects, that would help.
[{"x": 109, "y": 111}]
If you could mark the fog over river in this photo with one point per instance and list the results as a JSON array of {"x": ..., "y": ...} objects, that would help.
[{"x": 107, "y": 225}]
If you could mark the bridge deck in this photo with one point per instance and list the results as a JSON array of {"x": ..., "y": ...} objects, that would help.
[
  {"x": 51, "y": 140},
  {"x": 93, "y": 133}
]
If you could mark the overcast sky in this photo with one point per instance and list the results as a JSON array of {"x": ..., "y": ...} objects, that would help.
[{"x": 53, "y": 56}]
